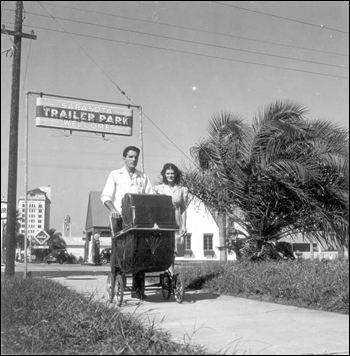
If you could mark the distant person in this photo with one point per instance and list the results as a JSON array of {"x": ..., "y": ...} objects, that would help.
[
  {"x": 171, "y": 176},
  {"x": 119, "y": 182}
]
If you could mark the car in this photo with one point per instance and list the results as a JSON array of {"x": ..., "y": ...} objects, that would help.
[
  {"x": 105, "y": 255},
  {"x": 59, "y": 256}
]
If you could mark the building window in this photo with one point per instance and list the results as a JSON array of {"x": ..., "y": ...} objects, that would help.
[
  {"x": 208, "y": 241},
  {"x": 188, "y": 241},
  {"x": 303, "y": 247},
  {"x": 188, "y": 250}
]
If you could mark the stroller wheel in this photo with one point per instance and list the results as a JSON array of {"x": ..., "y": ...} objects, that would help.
[
  {"x": 110, "y": 286},
  {"x": 119, "y": 289},
  {"x": 179, "y": 288},
  {"x": 166, "y": 285}
]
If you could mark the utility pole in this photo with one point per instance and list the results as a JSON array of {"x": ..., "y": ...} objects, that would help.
[{"x": 13, "y": 139}]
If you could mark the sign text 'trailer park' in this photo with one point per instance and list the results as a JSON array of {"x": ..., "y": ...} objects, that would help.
[{"x": 78, "y": 115}]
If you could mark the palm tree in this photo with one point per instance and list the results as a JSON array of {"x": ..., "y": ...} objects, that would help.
[
  {"x": 281, "y": 175},
  {"x": 56, "y": 241}
]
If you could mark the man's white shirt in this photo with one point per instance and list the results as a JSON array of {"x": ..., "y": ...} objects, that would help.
[{"x": 119, "y": 182}]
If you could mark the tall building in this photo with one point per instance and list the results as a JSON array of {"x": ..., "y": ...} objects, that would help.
[
  {"x": 47, "y": 190},
  {"x": 38, "y": 212}
]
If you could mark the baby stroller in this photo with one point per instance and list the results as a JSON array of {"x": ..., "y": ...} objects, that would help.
[{"x": 143, "y": 243}]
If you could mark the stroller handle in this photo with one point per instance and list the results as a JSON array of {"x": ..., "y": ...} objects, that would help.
[{"x": 113, "y": 222}]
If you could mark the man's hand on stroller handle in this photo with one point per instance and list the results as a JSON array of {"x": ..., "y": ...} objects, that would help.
[{"x": 115, "y": 214}]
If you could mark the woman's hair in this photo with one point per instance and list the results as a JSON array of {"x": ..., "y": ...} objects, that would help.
[{"x": 178, "y": 173}]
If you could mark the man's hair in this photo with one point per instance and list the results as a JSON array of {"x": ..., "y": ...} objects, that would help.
[{"x": 131, "y": 148}]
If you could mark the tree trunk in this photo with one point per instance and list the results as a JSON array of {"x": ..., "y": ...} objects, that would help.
[
  {"x": 236, "y": 247},
  {"x": 221, "y": 220}
]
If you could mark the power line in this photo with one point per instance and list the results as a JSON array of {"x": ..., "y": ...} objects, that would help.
[
  {"x": 197, "y": 30},
  {"x": 160, "y": 130},
  {"x": 103, "y": 71},
  {"x": 280, "y": 17},
  {"x": 130, "y": 99},
  {"x": 193, "y": 42},
  {"x": 179, "y": 52},
  {"x": 70, "y": 33},
  {"x": 26, "y": 69},
  {"x": 192, "y": 53},
  {"x": 122, "y": 92}
]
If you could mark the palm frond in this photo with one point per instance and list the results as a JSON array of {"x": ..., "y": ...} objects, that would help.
[
  {"x": 284, "y": 173},
  {"x": 287, "y": 111},
  {"x": 285, "y": 169},
  {"x": 225, "y": 123}
]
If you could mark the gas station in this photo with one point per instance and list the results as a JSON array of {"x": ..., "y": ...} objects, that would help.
[{"x": 97, "y": 228}]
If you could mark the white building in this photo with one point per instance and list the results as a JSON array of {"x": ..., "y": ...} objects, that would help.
[
  {"x": 314, "y": 250},
  {"x": 202, "y": 238},
  {"x": 202, "y": 241},
  {"x": 38, "y": 211}
]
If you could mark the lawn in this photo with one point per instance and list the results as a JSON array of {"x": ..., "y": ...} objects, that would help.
[
  {"x": 41, "y": 316},
  {"x": 317, "y": 284}
]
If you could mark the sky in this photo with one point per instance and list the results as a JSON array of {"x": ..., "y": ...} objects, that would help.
[{"x": 181, "y": 61}]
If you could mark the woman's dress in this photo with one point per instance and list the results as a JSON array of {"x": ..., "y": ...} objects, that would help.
[{"x": 179, "y": 197}]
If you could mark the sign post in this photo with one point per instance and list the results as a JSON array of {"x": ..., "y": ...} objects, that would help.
[
  {"x": 3, "y": 222},
  {"x": 76, "y": 114}
]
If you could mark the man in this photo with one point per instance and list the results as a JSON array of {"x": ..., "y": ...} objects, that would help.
[{"x": 119, "y": 182}]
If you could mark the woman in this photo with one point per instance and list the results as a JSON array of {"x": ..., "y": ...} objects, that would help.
[{"x": 171, "y": 176}]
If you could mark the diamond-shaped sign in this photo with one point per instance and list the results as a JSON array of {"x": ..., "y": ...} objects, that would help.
[{"x": 41, "y": 237}]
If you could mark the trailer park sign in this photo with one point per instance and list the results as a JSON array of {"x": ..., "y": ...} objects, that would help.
[{"x": 79, "y": 115}]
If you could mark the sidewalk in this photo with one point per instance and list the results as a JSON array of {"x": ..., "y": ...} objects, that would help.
[
  {"x": 57, "y": 270},
  {"x": 232, "y": 325}
]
